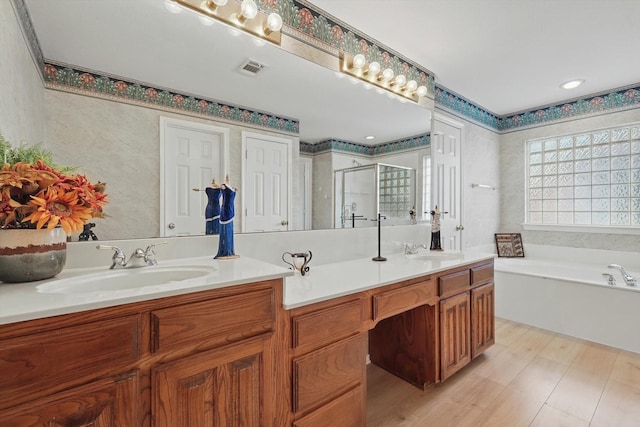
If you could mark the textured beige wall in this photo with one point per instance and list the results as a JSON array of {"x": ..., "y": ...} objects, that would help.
[
  {"x": 120, "y": 144},
  {"x": 21, "y": 102},
  {"x": 512, "y": 176}
]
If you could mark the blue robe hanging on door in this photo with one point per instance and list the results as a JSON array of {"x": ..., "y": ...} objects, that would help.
[{"x": 227, "y": 213}]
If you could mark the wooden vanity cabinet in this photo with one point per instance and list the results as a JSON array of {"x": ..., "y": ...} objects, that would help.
[
  {"x": 455, "y": 334},
  {"x": 467, "y": 319},
  {"x": 194, "y": 360},
  {"x": 482, "y": 308},
  {"x": 328, "y": 351},
  {"x": 429, "y": 343},
  {"x": 455, "y": 322}
]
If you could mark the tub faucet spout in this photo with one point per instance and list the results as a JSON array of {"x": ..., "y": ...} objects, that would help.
[{"x": 628, "y": 279}]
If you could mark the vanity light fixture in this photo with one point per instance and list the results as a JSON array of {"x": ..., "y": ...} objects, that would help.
[
  {"x": 243, "y": 16},
  {"x": 572, "y": 84},
  {"x": 386, "y": 81}
]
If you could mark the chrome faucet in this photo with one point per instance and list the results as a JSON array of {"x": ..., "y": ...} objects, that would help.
[
  {"x": 628, "y": 279},
  {"x": 412, "y": 248},
  {"x": 119, "y": 259}
]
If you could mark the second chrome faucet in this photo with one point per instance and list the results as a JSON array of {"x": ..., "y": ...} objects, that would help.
[{"x": 628, "y": 279}]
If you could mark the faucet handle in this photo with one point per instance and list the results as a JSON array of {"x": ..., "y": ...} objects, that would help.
[
  {"x": 118, "y": 257},
  {"x": 150, "y": 255},
  {"x": 610, "y": 279},
  {"x": 153, "y": 245}
]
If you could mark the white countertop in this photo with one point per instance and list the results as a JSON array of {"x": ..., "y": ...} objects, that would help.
[
  {"x": 31, "y": 300},
  {"x": 34, "y": 300},
  {"x": 343, "y": 278}
]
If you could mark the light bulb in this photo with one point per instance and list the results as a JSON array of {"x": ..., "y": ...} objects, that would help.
[
  {"x": 400, "y": 80},
  {"x": 212, "y": 5},
  {"x": 422, "y": 91},
  {"x": 358, "y": 61},
  {"x": 274, "y": 23},
  {"x": 412, "y": 85},
  {"x": 248, "y": 10},
  {"x": 172, "y": 6},
  {"x": 387, "y": 74},
  {"x": 374, "y": 68}
]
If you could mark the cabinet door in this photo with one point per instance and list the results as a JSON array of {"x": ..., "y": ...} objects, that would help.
[
  {"x": 111, "y": 402},
  {"x": 221, "y": 387},
  {"x": 455, "y": 334},
  {"x": 482, "y": 319}
]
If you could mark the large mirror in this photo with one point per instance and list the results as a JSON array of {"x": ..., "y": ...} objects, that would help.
[{"x": 139, "y": 40}]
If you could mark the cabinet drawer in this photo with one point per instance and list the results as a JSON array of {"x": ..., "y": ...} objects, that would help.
[
  {"x": 213, "y": 322},
  {"x": 454, "y": 283},
  {"x": 325, "y": 374},
  {"x": 390, "y": 303},
  {"x": 329, "y": 325},
  {"x": 482, "y": 273},
  {"x": 345, "y": 411},
  {"x": 44, "y": 363}
]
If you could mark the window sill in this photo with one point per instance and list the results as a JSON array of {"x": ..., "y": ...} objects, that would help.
[{"x": 583, "y": 228}]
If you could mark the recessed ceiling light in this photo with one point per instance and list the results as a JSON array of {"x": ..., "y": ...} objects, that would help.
[
  {"x": 571, "y": 84},
  {"x": 370, "y": 137}
]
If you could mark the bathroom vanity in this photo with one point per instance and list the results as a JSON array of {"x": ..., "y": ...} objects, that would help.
[{"x": 263, "y": 349}]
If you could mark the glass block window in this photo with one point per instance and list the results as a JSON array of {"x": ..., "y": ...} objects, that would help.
[
  {"x": 397, "y": 190},
  {"x": 589, "y": 178}
]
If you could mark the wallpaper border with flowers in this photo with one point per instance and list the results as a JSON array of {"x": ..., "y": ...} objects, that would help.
[
  {"x": 60, "y": 76},
  {"x": 418, "y": 141},
  {"x": 321, "y": 30}
]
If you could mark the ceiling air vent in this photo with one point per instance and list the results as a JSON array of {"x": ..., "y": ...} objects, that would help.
[{"x": 251, "y": 67}]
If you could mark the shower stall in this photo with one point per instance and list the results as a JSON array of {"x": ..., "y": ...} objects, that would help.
[{"x": 361, "y": 192}]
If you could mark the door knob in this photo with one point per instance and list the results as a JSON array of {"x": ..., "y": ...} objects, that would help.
[
  {"x": 171, "y": 226},
  {"x": 459, "y": 227},
  {"x": 284, "y": 222}
]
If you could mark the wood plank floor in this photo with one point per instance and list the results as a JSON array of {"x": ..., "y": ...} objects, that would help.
[{"x": 530, "y": 377}]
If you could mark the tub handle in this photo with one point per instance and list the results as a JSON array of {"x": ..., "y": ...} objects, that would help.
[{"x": 610, "y": 279}]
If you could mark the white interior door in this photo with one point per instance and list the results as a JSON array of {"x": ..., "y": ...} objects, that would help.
[
  {"x": 266, "y": 182},
  {"x": 192, "y": 156},
  {"x": 446, "y": 157}
]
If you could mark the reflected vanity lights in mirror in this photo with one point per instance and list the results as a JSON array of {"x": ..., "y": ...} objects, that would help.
[{"x": 177, "y": 59}]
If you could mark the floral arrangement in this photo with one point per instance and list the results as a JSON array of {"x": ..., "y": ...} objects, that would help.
[{"x": 36, "y": 194}]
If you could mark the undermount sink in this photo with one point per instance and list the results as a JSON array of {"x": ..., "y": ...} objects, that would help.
[
  {"x": 131, "y": 278},
  {"x": 435, "y": 256}
]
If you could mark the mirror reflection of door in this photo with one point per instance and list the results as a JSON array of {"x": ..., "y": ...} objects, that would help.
[
  {"x": 446, "y": 157},
  {"x": 192, "y": 155},
  {"x": 305, "y": 183},
  {"x": 266, "y": 182}
]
